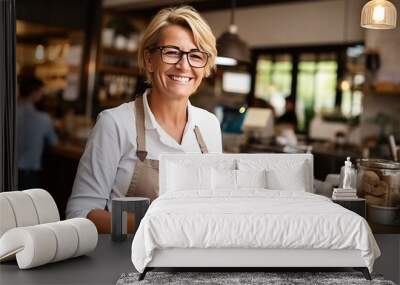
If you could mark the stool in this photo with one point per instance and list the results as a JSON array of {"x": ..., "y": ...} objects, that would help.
[{"x": 120, "y": 207}]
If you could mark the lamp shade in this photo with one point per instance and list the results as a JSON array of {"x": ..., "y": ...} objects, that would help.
[
  {"x": 229, "y": 45},
  {"x": 378, "y": 14}
]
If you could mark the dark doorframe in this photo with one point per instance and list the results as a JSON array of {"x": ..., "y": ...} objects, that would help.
[{"x": 8, "y": 161}]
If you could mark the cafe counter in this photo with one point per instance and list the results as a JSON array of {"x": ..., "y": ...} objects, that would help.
[{"x": 59, "y": 169}]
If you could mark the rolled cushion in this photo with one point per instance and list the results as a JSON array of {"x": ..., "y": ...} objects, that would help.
[
  {"x": 23, "y": 208},
  {"x": 26, "y": 208},
  {"x": 87, "y": 235},
  {"x": 66, "y": 239},
  {"x": 33, "y": 246},
  {"x": 45, "y": 206},
  {"x": 40, "y": 244},
  {"x": 7, "y": 218}
]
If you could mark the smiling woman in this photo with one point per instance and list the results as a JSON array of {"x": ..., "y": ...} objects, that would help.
[{"x": 121, "y": 157}]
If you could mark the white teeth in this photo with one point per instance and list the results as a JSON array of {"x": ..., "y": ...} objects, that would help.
[{"x": 180, "y": 78}]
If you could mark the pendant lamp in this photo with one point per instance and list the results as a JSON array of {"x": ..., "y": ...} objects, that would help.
[
  {"x": 378, "y": 14},
  {"x": 231, "y": 49}
]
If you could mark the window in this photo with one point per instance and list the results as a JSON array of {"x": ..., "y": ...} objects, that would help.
[
  {"x": 352, "y": 82},
  {"x": 316, "y": 86},
  {"x": 313, "y": 75},
  {"x": 274, "y": 79},
  {"x": 236, "y": 82}
]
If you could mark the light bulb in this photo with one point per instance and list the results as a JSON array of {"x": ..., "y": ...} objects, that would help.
[
  {"x": 226, "y": 61},
  {"x": 345, "y": 85},
  {"x": 39, "y": 52},
  {"x": 378, "y": 15}
]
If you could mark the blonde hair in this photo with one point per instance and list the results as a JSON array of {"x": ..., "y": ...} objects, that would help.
[{"x": 186, "y": 17}]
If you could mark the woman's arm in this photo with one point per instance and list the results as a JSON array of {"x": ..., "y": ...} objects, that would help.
[
  {"x": 102, "y": 220},
  {"x": 97, "y": 169}
]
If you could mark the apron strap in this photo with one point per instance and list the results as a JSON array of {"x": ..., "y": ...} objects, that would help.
[
  {"x": 140, "y": 129},
  {"x": 200, "y": 140}
]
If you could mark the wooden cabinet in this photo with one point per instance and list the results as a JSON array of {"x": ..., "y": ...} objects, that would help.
[{"x": 117, "y": 67}]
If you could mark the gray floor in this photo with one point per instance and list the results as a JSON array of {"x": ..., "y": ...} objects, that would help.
[{"x": 389, "y": 263}]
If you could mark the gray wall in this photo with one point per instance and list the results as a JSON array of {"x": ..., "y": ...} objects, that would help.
[{"x": 305, "y": 23}]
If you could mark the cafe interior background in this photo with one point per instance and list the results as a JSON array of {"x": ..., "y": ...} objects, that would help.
[{"x": 345, "y": 79}]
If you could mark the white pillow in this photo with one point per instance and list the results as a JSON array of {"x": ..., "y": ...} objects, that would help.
[
  {"x": 282, "y": 174},
  {"x": 183, "y": 177},
  {"x": 224, "y": 179},
  {"x": 293, "y": 179},
  {"x": 251, "y": 179}
]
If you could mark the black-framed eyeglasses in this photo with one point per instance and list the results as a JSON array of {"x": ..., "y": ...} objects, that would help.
[{"x": 172, "y": 55}]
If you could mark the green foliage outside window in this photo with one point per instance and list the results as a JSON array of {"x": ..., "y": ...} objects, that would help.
[
  {"x": 273, "y": 81},
  {"x": 315, "y": 90}
]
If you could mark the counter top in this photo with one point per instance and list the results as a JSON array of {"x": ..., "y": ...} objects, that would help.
[
  {"x": 104, "y": 265},
  {"x": 319, "y": 148},
  {"x": 69, "y": 149}
]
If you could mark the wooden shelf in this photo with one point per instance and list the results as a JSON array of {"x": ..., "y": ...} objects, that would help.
[
  {"x": 120, "y": 52},
  {"x": 385, "y": 93},
  {"x": 375, "y": 92},
  {"x": 119, "y": 70},
  {"x": 113, "y": 102},
  {"x": 385, "y": 89}
]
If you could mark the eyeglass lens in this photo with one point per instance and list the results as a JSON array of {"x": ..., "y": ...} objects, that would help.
[{"x": 172, "y": 55}]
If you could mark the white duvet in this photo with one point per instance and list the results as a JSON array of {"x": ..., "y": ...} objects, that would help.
[{"x": 252, "y": 218}]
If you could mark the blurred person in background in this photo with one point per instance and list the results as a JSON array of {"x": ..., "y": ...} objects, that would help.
[
  {"x": 34, "y": 131},
  {"x": 289, "y": 118}
]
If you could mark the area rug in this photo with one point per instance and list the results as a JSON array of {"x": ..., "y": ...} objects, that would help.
[{"x": 242, "y": 278}]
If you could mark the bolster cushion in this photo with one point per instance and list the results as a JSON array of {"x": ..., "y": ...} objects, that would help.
[
  {"x": 40, "y": 244},
  {"x": 26, "y": 208}
]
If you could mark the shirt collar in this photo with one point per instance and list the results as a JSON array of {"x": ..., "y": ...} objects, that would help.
[{"x": 150, "y": 120}]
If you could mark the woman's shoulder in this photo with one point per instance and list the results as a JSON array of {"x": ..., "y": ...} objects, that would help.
[
  {"x": 118, "y": 122},
  {"x": 121, "y": 114},
  {"x": 115, "y": 125},
  {"x": 203, "y": 116}
]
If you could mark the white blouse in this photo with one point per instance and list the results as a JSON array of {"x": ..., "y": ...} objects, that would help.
[{"x": 106, "y": 167}]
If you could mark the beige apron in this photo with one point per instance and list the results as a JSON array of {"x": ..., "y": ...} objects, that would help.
[{"x": 144, "y": 181}]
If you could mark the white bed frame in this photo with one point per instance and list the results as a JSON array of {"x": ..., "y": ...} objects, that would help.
[
  {"x": 242, "y": 259},
  {"x": 246, "y": 257},
  {"x": 234, "y": 257}
]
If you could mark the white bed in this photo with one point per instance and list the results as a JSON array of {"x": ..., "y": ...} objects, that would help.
[{"x": 226, "y": 217}]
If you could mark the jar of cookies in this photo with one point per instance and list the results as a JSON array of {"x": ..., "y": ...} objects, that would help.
[{"x": 378, "y": 181}]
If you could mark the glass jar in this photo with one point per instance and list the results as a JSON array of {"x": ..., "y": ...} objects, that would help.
[{"x": 378, "y": 181}]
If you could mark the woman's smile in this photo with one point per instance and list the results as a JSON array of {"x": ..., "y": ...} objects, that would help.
[{"x": 180, "y": 79}]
